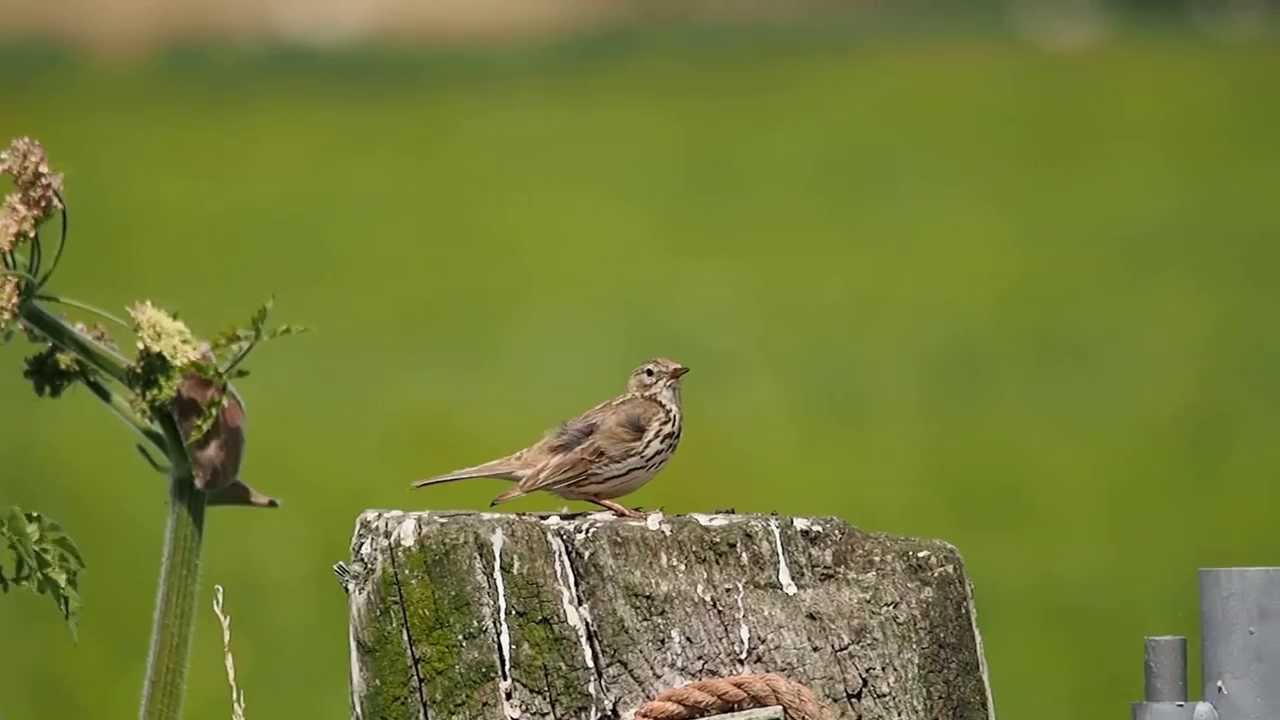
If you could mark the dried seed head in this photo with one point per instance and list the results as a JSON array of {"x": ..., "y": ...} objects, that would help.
[
  {"x": 35, "y": 195},
  {"x": 10, "y": 294},
  {"x": 16, "y": 222}
]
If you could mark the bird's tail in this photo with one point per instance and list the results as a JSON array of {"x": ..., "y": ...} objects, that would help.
[
  {"x": 511, "y": 494},
  {"x": 504, "y": 468}
]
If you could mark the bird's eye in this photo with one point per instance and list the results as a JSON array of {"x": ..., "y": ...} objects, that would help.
[{"x": 648, "y": 372}]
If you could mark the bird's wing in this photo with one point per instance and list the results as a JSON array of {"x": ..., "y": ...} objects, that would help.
[{"x": 592, "y": 442}]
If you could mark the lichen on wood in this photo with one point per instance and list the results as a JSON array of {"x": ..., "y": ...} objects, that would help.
[{"x": 466, "y": 615}]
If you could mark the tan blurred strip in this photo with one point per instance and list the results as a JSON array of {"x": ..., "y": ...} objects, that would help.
[{"x": 130, "y": 27}]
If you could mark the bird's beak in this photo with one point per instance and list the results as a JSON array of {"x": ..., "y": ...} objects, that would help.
[{"x": 679, "y": 371}]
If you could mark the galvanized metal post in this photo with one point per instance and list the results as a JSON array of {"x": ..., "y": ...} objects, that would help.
[
  {"x": 1165, "y": 686},
  {"x": 1240, "y": 650},
  {"x": 1165, "y": 666}
]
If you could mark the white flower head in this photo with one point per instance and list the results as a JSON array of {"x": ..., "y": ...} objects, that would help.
[{"x": 162, "y": 334}]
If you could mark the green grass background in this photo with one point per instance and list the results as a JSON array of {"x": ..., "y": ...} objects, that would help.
[{"x": 952, "y": 286}]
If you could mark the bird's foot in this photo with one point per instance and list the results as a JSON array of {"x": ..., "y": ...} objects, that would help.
[{"x": 621, "y": 510}]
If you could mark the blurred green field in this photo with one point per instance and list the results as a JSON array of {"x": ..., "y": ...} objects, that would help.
[{"x": 949, "y": 286}]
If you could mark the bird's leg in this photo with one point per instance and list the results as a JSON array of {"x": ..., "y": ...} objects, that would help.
[{"x": 617, "y": 509}]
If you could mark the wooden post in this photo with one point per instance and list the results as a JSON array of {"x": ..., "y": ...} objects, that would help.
[{"x": 465, "y": 615}]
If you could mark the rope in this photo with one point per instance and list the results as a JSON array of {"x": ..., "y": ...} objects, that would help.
[{"x": 740, "y": 692}]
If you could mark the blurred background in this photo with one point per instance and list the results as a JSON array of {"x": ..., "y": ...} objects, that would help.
[{"x": 999, "y": 273}]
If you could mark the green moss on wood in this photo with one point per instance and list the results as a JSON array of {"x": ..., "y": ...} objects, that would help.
[
  {"x": 454, "y": 643},
  {"x": 389, "y": 690},
  {"x": 547, "y": 656}
]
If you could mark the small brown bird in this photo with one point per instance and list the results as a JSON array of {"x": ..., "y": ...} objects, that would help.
[{"x": 604, "y": 453}]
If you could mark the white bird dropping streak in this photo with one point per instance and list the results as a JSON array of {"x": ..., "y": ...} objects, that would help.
[
  {"x": 574, "y": 615},
  {"x": 357, "y": 676},
  {"x": 504, "y": 632},
  {"x": 784, "y": 573},
  {"x": 408, "y": 532}
]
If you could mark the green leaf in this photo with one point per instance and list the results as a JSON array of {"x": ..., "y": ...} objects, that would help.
[
  {"x": 225, "y": 339},
  {"x": 260, "y": 317},
  {"x": 20, "y": 536},
  {"x": 234, "y": 345},
  {"x": 206, "y": 421},
  {"x": 286, "y": 330},
  {"x": 68, "y": 548},
  {"x": 45, "y": 561}
]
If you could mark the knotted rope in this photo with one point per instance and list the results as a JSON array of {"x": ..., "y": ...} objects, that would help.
[{"x": 740, "y": 692}]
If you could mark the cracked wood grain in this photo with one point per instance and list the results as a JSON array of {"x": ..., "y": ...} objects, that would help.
[
  {"x": 408, "y": 636},
  {"x": 527, "y": 617}
]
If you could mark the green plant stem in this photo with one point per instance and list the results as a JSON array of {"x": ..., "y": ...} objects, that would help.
[
  {"x": 175, "y": 615},
  {"x": 101, "y": 358},
  {"x": 106, "y": 360},
  {"x": 70, "y": 302},
  {"x": 19, "y": 274},
  {"x": 123, "y": 410},
  {"x": 174, "y": 622},
  {"x": 62, "y": 244}
]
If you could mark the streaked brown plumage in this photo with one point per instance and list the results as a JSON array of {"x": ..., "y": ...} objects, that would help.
[{"x": 604, "y": 453}]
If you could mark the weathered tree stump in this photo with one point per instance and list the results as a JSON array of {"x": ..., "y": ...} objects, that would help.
[{"x": 463, "y": 615}]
